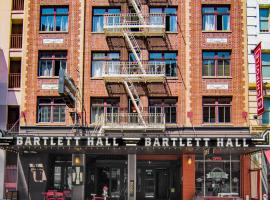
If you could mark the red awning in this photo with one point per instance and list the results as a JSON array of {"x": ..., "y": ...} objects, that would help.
[{"x": 267, "y": 155}]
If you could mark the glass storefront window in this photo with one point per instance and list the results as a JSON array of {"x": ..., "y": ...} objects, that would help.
[{"x": 216, "y": 174}]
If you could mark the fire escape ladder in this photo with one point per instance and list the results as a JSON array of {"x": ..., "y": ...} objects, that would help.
[
  {"x": 135, "y": 98},
  {"x": 137, "y": 7},
  {"x": 133, "y": 45}
]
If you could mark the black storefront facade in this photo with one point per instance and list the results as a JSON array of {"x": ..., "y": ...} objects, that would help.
[{"x": 142, "y": 168}]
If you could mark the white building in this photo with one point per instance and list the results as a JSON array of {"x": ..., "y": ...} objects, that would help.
[{"x": 258, "y": 30}]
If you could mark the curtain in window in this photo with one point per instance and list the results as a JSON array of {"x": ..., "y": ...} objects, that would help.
[
  {"x": 44, "y": 114},
  {"x": 45, "y": 68},
  {"x": 208, "y": 22},
  {"x": 97, "y": 67},
  {"x": 62, "y": 23},
  {"x": 96, "y": 113},
  {"x": 59, "y": 114},
  {"x": 47, "y": 23},
  {"x": 114, "y": 67}
]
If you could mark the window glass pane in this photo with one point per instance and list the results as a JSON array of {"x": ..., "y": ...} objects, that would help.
[
  {"x": 61, "y": 23},
  {"x": 220, "y": 66},
  {"x": 208, "y": 10},
  {"x": 226, "y": 22},
  {"x": 221, "y": 114},
  {"x": 206, "y": 116},
  {"x": 170, "y": 11},
  {"x": 47, "y": 23},
  {"x": 114, "y": 11},
  {"x": 99, "y": 56},
  {"x": 47, "y": 11},
  {"x": 98, "y": 24},
  {"x": 171, "y": 56},
  {"x": 223, "y": 10},
  {"x": 227, "y": 68},
  {"x": 45, "y": 68},
  {"x": 44, "y": 114},
  {"x": 264, "y": 25},
  {"x": 57, "y": 177},
  {"x": 114, "y": 56},
  {"x": 266, "y": 114},
  {"x": 208, "y": 22},
  {"x": 58, "y": 113},
  {"x": 153, "y": 56},
  {"x": 208, "y": 68},
  {"x": 96, "y": 112},
  {"x": 264, "y": 13},
  {"x": 97, "y": 67},
  {"x": 61, "y": 10},
  {"x": 212, "y": 115},
  {"x": 155, "y": 10},
  {"x": 98, "y": 11}
]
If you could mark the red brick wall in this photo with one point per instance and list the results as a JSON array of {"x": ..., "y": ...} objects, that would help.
[
  {"x": 235, "y": 43},
  {"x": 35, "y": 43}
]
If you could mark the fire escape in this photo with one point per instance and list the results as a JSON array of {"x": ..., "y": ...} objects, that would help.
[{"x": 133, "y": 73}]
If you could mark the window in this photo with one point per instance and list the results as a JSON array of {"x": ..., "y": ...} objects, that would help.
[
  {"x": 50, "y": 63},
  {"x": 98, "y": 17},
  {"x": 266, "y": 65},
  {"x": 166, "y": 106},
  {"x": 217, "y": 110},
  {"x": 264, "y": 19},
  {"x": 99, "y": 60},
  {"x": 54, "y": 19},
  {"x": 216, "y": 18},
  {"x": 266, "y": 114},
  {"x": 171, "y": 17},
  {"x": 51, "y": 110},
  {"x": 216, "y": 63},
  {"x": 170, "y": 60},
  {"x": 217, "y": 173},
  {"x": 101, "y": 106}
]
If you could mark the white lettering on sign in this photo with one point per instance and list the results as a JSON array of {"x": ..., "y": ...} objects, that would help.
[
  {"x": 217, "y": 86},
  {"x": 49, "y": 87},
  {"x": 53, "y": 41},
  {"x": 216, "y": 40}
]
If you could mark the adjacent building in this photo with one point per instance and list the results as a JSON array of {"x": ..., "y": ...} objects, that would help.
[{"x": 147, "y": 98}]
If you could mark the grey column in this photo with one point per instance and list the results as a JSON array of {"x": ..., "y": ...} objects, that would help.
[
  {"x": 2, "y": 172},
  {"x": 132, "y": 167},
  {"x": 78, "y": 192}
]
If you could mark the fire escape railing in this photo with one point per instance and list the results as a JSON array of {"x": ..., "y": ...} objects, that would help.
[{"x": 125, "y": 25}]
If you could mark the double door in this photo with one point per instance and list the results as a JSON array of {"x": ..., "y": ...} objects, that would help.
[{"x": 157, "y": 183}]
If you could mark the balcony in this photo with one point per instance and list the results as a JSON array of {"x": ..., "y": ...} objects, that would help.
[
  {"x": 17, "y": 5},
  {"x": 118, "y": 71},
  {"x": 16, "y": 41},
  {"x": 131, "y": 121},
  {"x": 14, "y": 80},
  {"x": 153, "y": 25}
]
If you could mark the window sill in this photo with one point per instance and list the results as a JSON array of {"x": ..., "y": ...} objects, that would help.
[
  {"x": 97, "y": 32},
  {"x": 217, "y": 31},
  {"x": 50, "y": 124},
  {"x": 53, "y": 32},
  {"x": 217, "y": 77},
  {"x": 96, "y": 78},
  {"x": 171, "y": 32},
  {"x": 14, "y": 89},
  {"x": 268, "y": 32},
  {"x": 48, "y": 77},
  {"x": 217, "y": 124}
]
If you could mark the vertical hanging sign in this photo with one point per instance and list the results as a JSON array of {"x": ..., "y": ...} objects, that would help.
[{"x": 259, "y": 79}]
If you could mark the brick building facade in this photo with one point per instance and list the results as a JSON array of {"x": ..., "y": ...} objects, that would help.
[{"x": 173, "y": 69}]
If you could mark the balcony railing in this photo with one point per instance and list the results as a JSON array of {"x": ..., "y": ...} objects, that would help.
[
  {"x": 117, "y": 70},
  {"x": 13, "y": 127},
  {"x": 154, "y": 23},
  {"x": 18, "y": 5},
  {"x": 14, "y": 80},
  {"x": 16, "y": 41},
  {"x": 133, "y": 121}
]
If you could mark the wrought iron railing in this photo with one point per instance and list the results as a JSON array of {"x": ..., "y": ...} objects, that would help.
[
  {"x": 18, "y": 5},
  {"x": 14, "y": 80},
  {"x": 16, "y": 41}
]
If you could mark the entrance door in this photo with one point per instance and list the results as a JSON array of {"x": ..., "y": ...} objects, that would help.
[
  {"x": 158, "y": 180},
  {"x": 162, "y": 183}
]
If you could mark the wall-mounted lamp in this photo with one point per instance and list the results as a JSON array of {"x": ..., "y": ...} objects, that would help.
[
  {"x": 189, "y": 160},
  {"x": 77, "y": 161}
]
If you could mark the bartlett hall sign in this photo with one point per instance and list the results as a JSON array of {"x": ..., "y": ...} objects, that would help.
[{"x": 118, "y": 142}]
